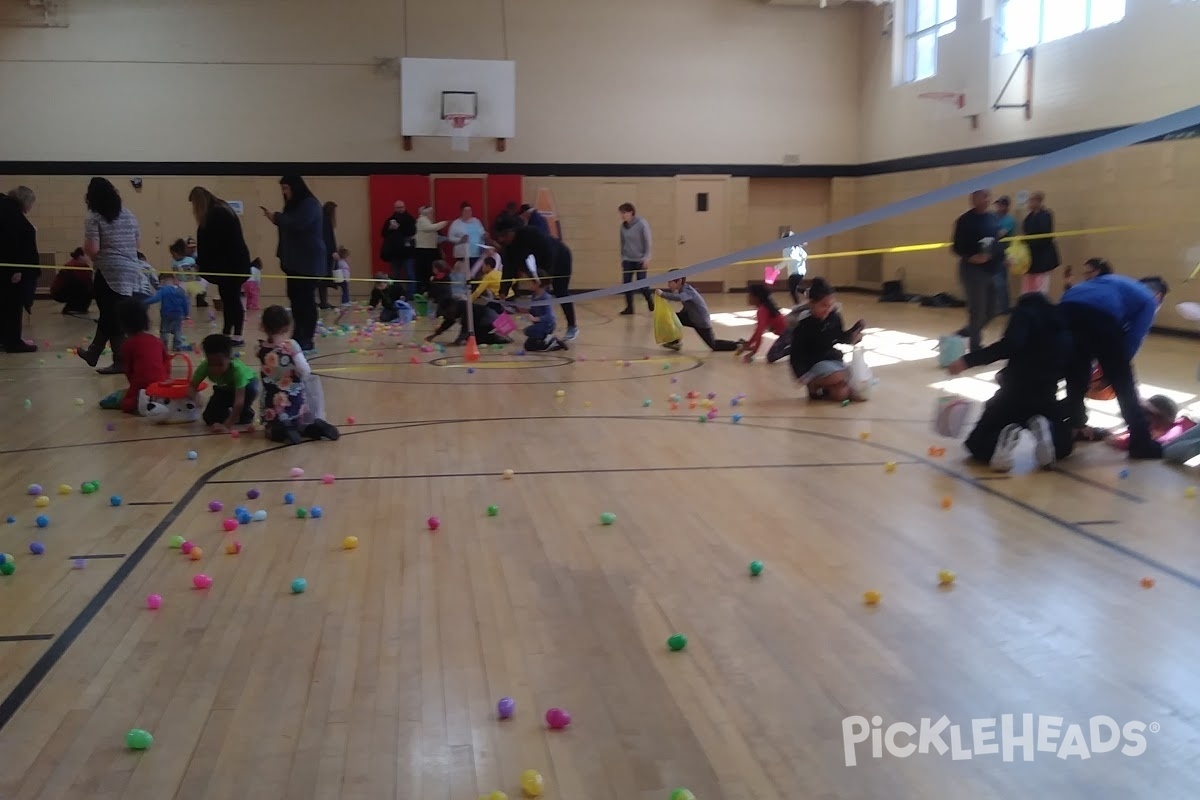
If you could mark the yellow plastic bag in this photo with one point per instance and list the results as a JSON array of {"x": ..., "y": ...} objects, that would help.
[
  {"x": 1018, "y": 258},
  {"x": 666, "y": 324}
]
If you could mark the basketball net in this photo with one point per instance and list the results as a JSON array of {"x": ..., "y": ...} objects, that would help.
[{"x": 460, "y": 136}]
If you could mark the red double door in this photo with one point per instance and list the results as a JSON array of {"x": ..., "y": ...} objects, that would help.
[{"x": 487, "y": 195}]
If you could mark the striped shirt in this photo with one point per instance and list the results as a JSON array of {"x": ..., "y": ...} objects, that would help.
[{"x": 117, "y": 260}]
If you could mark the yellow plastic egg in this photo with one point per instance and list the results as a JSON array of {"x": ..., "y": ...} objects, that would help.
[
  {"x": 945, "y": 577},
  {"x": 889, "y": 466},
  {"x": 42, "y": 501},
  {"x": 531, "y": 783},
  {"x": 350, "y": 543},
  {"x": 871, "y": 598},
  {"x": 64, "y": 488}
]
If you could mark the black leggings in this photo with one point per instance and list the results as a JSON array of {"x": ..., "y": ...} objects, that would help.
[
  {"x": 560, "y": 286},
  {"x": 220, "y": 405},
  {"x": 233, "y": 314},
  {"x": 452, "y": 312},
  {"x": 1098, "y": 336},
  {"x": 1013, "y": 405},
  {"x": 302, "y": 296},
  {"x": 718, "y": 345}
]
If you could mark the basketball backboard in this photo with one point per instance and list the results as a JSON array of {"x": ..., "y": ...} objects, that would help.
[
  {"x": 433, "y": 88},
  {"x": 964, "y": 59}
]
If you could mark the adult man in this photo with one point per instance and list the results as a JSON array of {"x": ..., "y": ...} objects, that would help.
[
  {"x": 980, "y": 259},
  {"x": 1109, "y": 317},
  {"x": 635, "y": 253},
  {"x": 534, "y": 219},
  {"x": 551, "y": 259},
  {"x": 399, "y": 231},
  {"x": 1008, "y": 229}
]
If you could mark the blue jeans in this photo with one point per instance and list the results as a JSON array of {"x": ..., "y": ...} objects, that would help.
[
  {"x": 405, "y": 272},
  {"x": 345, "y": 292},
  {"x": 171, "y": 327}
]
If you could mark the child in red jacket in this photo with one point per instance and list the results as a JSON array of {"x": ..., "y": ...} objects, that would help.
[
  {"x": 768, "y": 318},
  {"x": 144, "y": 355}
]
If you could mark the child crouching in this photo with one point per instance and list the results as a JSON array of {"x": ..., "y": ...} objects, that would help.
[
  {"x": 694, "y": 315},
  {"x": 816, "y": 362},
  {"x": 287, "y": 413},
  {"x": 143, "y": 355},
  {"x": 540, "y": 335},
  {"x": 235, "y": 386}
]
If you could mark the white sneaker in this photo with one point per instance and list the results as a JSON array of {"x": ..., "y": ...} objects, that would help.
[
  {"x": 1043, "y": 436},
  {"x": 1002, "y": 459}
]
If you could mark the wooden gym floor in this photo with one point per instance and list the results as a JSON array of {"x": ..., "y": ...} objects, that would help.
[{"x": 382, "y": 679}]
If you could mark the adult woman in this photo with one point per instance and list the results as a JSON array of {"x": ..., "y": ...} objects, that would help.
[
  {"x": 222, "y": 257},
  {"x": 427, "y": 246},
  {"x": 301, "y": 252},
  {"x": 111, "y": 239},
  {"x": 18, "y": 245},
  {"x": 1043, "y": 253},
  {"x": 328, "y": 224}
]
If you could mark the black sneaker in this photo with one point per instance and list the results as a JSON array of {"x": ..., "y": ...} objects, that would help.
[
  {"x": 326, "y": 431},
  {"x": 627, "y": 312},
  {"x": 1145, "y": 451}
]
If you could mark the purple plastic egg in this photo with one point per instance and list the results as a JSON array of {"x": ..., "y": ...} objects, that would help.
[
  {"x": 215, "y": 505},
  {"x": 506, "y": 707}
]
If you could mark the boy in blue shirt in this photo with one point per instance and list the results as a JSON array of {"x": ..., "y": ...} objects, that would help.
[
  {"x": 1109, "y": 317},
  {"x": 175, "y": 308},
  {"x": 540, "y": 335}
]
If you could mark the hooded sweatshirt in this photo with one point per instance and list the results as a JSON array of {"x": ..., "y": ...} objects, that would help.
[{"x": 635, "y": 240}]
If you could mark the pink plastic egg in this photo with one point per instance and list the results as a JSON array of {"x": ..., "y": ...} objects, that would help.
[
  {"x": 297, "y": 472},
  {"x": 229, "y": 525},
  {"x": 327, "y": 478},
  {"x": 434, "y": 523},
  {"x": 153, "y": 601},
  {"x": 201, "y": 581},
  {"x": 558, "y": 718},
  {"x": 186, "y": 548}
]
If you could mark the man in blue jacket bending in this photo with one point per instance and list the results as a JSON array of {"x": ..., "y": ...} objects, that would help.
[{"x": 1109, "y": 318}]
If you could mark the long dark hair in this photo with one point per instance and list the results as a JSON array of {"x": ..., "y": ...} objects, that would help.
[
  {"x": 300, "y": 190},
  {"x": 103, "y": 198},
  {"x": 329, "y": 211},
  {"x": 762, "y": 294}
]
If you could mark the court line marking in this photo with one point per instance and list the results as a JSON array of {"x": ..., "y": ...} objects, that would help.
[
  {"x": 554, "y": 472},
  {"x": 27, "y": 637},
  {"x": 41, "y": 668},
  {"x": 1098, "y": 522},
  {"x": 97, "y": 555}
]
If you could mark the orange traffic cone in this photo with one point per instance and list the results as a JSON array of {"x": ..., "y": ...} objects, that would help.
[{"x": 472, "y": 352}]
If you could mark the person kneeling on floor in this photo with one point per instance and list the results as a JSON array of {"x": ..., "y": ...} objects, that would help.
[
  {"x": 1038, "y": 345},
  {"x": 815, "y": 360},
  {"x": 540, "y": 335}
]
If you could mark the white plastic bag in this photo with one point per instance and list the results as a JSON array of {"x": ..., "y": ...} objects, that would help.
[
  {"x": 861, "y": 377},
  {"x": 950, "y": 415}
]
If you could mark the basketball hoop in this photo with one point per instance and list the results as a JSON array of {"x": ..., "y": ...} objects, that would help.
[{"x": 460, "y": 138}]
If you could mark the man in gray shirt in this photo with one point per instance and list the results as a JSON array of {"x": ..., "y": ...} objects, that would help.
[{"x": 635, "y": 253}]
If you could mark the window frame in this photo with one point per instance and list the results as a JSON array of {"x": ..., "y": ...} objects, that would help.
[
  {"x": 1002, "y": 46},
  {"x": 913, "y": 35}
]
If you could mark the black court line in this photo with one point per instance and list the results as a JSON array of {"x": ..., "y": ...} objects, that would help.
[
  {"x": 27, "y": 637},
  {"x": 151, "y": 503},
  {"x": 552, "y": 472},
  {"x": 37, "y": 673},
  {"x": 993, "y": 477},
  {"x": 97, "y": 555},
  {"x": 1098, "y": 522},
  {"x": 1095, "y": 484}
]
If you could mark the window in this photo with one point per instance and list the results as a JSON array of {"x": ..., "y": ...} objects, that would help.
[
  {"x": 925, "y": 22},
  {"x": 1025, "y": 23}
]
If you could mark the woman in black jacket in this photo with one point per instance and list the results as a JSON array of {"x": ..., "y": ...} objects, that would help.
[
  {"x": 18, "y": 245},
  {"x": 1043, "y": 252},
  {"x": 302, "y": 254},
  {"x": 222, "y": 256}
]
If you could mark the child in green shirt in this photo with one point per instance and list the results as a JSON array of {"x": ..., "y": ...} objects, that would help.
[{"x": 235, "y": 385}]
